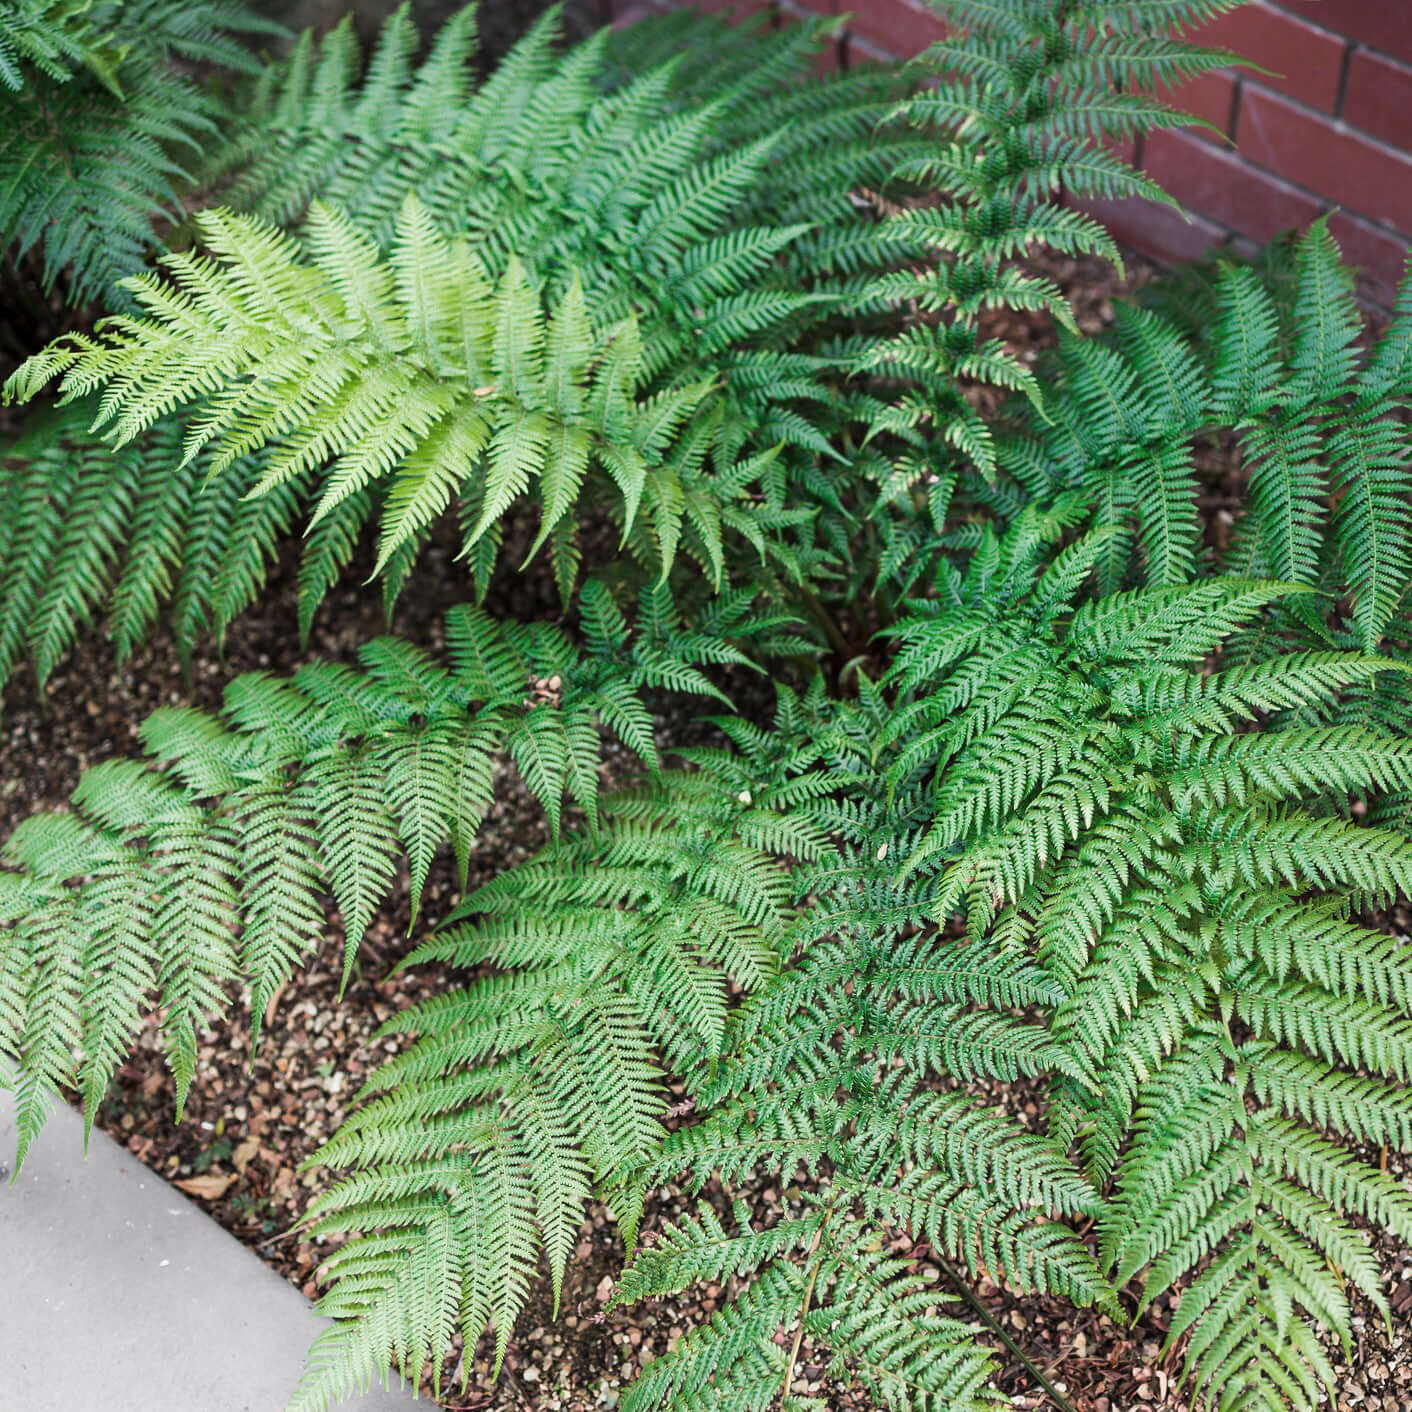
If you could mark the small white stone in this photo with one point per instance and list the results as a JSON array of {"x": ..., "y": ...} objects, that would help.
[
  {"x": 744, "y": 796},
  {"x": 882, "y": 853}
]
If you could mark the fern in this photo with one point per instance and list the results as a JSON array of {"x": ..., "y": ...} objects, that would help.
[
  {"x": 98, "y": 133},
  {"x": 1316, "y": 422},
  {"x": 210, "y": 859},
  {"x": 88, "y": 530},
  {"x": 1098, "y": 809},
  {"x": 56, "y": 36},
  {"x": 421, "y": 368},
  {"x": 405, "y": 374},
  {"x": 841, "y": 1291},
  {"x": 1031, "y": 91},
  {"x": 717, "y": 210},
  {"x": 716, "y": 217},
  {"x": 479, "y": 1145},
  {"x": 1190, "y": 889}
]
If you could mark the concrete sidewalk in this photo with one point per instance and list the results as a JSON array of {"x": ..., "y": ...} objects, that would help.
[{"x": 117, "y": 1294}]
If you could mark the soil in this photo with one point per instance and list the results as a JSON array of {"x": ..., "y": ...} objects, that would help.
[{"x": 251, "y": 1121}]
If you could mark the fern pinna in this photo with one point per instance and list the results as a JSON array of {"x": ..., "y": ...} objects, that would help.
[
  {"x": 211, "y": 858},
  {"x": 1194, "y": 890}
]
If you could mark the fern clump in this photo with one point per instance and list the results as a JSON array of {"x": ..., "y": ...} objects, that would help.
[
  {"x": 1192, "y": 888},
  {"x": 1054, "y": 794}
]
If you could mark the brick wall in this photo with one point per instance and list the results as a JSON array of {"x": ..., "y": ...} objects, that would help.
[{"x": 1327, "y": 127}]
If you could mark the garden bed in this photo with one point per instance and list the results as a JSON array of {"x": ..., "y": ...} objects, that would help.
[{"x": 251, "y": 1123}]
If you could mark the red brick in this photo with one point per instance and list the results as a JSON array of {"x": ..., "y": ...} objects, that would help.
[
  {"x": 1378, "y": 98},
  {"x": 632, "y": 14},
  {"x": 1326, "y": 157},
  {"x": 1218, "y": 184},
  {"x": 1154, "y": 229},
  {"x": 1125, "y": 150},
  {"x": 1306, "y": 61},
  {"x": 900, "y": 27},
  {"x": 1380, "y": 255},
  {"x": 1209, "y": 96},
  {"x": 733, "y": 10},
  {"x": 1383, "y": 24}
]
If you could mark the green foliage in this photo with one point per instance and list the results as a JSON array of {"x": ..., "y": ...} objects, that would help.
[
  {"x": 1317, "y": 424},
  {"x": 868, "y": 1308},
  {"x": 100, "y": 125},
  {"x": 55, "y": 36},
  {"x": 1190, "y": 888},
  {"x": 210, "y": 859},
  {"x": 717, "y": 216},
  {"x": 525, "y": 1091},
  {"x": 85, "y": 528},
  {"x": 1105, "y": 807},
  {"x": 418, "y": 370},
  {"x": 1030, "y": 90}
]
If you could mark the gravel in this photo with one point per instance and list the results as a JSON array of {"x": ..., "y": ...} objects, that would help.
[{"x": 252, "y": 1119}]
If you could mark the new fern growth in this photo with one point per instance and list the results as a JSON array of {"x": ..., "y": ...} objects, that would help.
[{"x": 418, "y": 370}]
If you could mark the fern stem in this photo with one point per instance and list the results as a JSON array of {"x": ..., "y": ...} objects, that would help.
[
  {"x": 825, "y": 620},
  {"x": 803, "y": 1310},
  {"x": 989, "y": 1320}
]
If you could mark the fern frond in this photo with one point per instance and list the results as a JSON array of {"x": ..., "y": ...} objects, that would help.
[
  {"x": 211, "y": 858},
  {"x": 553, "y": 1067},
  {"x": 100, "y": 133}
]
